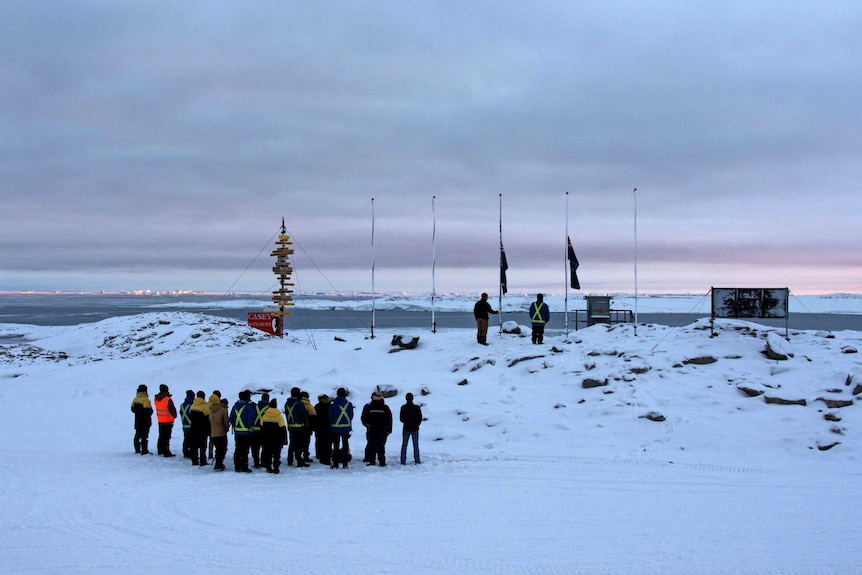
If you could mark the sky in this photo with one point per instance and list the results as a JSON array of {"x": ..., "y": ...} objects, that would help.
[{"x": 159, "y": 145}]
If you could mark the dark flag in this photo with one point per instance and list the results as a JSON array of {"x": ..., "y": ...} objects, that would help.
[
  {"x": 504, "y": 265},
  {"x": 573, "y": 266}
]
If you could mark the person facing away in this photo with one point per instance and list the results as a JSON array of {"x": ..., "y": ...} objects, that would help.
[
  {"x": 539, "y": 316},
  {"x": 256, "y": 439},
  {"x": 143, "y": 410},
  {"x": 377, "y": 419},
  {"x": 322, "y": 430},
  {"x": 411, "y": 417},
  {"x": 341, "y": 425},
  {"x": 312, "y": 417},
  {"x": 166, "y": 413},
  {"x": 297, "y": 422},
  {"x": 273, "y": 433},
  {"x": 187, "y": 422},
  {"x": 480, "y": 312},
  {"x": 215, "y": 399},
  {"x": 200, "y": 432},
  {"x": 219, "y": 424},
  {"x": 242, "y": 417}
]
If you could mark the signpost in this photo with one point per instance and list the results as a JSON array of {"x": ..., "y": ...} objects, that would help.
[{"x": 272, "y": 321}]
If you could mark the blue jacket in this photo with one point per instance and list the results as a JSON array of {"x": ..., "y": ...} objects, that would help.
[
  {"x": 242, "y": 417},
  {"x": 184, "y": 413},
  {"x": 341, "y": 416},
  {"x": 539, "y": 313},
  {"x": 295, "y": 413}
]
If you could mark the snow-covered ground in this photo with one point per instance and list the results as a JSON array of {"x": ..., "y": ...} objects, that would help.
[{"x": 668, "y": 465}]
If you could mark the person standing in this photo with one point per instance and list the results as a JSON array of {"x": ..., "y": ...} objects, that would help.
[
  {"x": 219, "y": 424},
  {"x": 539, "y": 316},
  {"x": 273, "y": 433},
  {"x": 215, "y": 399},
  {"x": 187, "y": 423},
  {"x": 199, "y": 413},
  {"x": 143, "y": 410},
  {"x": 322, "y": 430},
  {"x": 411, "y": 417},
  {"x": 377, "y": 419},
  {"x": 166, "y": 413},
  {"x": 256, "y": 440},
  {"x": 480, "y": 312},
  {"x": 341, "y": 425},
  {"x": 312, "y": 420},
  {"x": 242, "y": 417},
  {"x": 297, "y": 422}
]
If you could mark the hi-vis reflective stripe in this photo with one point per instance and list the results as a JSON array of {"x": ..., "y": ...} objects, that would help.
[
  {"x": 259, "y": 416},
  {"x": 342, "y": 416},
  {"x": 239, "y": 424},
  {"x": 184, "y": 415},
  {"x": 288, "y": 409},
  {"x": 537, "y": 315}
]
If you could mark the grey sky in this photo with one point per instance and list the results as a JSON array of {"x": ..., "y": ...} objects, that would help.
[{"x": 157, "y": 145}]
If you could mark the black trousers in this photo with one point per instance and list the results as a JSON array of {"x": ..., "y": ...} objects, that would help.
[
  {"x": 376, "y": 447},
  {"x": 163, "y": 445},
  {"x": 240, "y": 452},
  {"x": 220, "y": 444}
]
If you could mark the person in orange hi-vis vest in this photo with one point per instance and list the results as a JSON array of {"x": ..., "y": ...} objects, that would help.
[{"x": 166, "y": 413}]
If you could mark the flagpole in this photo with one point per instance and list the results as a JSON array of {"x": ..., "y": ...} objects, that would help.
[
  {"x": 433, "y": 264},
  {"x": 373, "y": 292},
  {"x": 635, "y": 195},
  {"x": 566, "y": 270},
  {"x": 500, "y": 299}
]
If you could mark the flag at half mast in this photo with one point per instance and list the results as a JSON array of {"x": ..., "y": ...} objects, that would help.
[
  {"x": 573, "y": 265},
  {"x": 504, "y": 265}
]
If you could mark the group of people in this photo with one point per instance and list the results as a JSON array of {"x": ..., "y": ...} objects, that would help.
[
  {"x": 261, "y": 429},
  {"x": 539, "y": 316}
]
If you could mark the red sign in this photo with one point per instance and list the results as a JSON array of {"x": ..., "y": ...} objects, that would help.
[{"x": 265, "y": 321}]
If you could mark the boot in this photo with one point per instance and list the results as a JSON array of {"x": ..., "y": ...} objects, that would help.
[
  {"x": 144, "y": 450},
  {"x": 137, "y": 445}
]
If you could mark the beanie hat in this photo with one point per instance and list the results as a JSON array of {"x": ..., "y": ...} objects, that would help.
[
  {"x": 141, "y": 388},
  {"x": 294, "y": 392},
  {"x": 304, "y": 394},
  {"x": 163, "y": 388},
  {"x": 201, "y": 394},
  {"x": 341, "y": 392},
  {"x": 190, "y": 393}
]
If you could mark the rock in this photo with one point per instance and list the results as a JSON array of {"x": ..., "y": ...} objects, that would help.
[
  {"x": 387, "y": 390},
  {"x": 511, "y": 327},
  {"x": 462, "y": 382},
  {"x": 410, "y": 343},
  {"x": 590, "y": 383},
  {"x": 848, "y": 349},
  {"x": 831, "y": 417},
  {"x": 749, "y": 392},
  {"x": 779, "y": 401},
  {"x": 858, "y": 389},
  {"x": 426, "y": 391},
  {"x": 653, "y": 416},
  {"x": 778, "y": 348},
  {"x": 828, "y": 447},
  {"x": 704, "y": 360},
  {"x": 835, "y": 403},
  {"x": 336, "y": 338},
  {"x": 825, "y": 334},
  {"x": 526, "y": 358}
]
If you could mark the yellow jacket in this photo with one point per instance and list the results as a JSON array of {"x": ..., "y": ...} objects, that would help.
[
  {"x": 200, "y": 405},
  {"x": 272, "y": 415}
]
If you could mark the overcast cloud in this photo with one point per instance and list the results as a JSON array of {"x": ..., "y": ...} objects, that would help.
[{"x": 158, "y": 145}]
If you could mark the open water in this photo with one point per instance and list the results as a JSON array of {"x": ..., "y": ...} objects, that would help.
[{"x": 74, "y": 309}]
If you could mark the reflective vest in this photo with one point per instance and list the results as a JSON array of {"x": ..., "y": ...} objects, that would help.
[
  {"x": 239, "y": 424},
  {"x": 536, "y": 313},
  {"x": 163, "y": 414},
  {"x": 343, "y": 419},
  {"x": 259, "y": 416},
  {"x": 184, "y": 416},
  {"x": 288, "y": 411}
]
